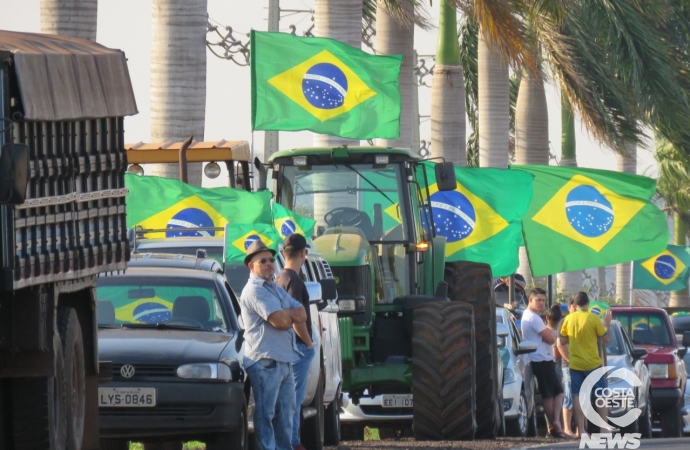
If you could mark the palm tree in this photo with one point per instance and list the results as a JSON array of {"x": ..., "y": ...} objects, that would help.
[
  {"x": 570, "y": 282},
  {"x": 625, "y": 162},
  {"x": 447, "y": 92},
  {"x": 673, "y": 187},
  {"x": 178, "y": 77},
  {"x": 74, "y": 18},
  {"x": 340, "y": 20}
]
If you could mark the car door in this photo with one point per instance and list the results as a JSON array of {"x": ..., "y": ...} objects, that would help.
[
  {"x": 639, "y": 369},
  {"x": 523, "y": 367},
  {"x": 330, "y": 334}
]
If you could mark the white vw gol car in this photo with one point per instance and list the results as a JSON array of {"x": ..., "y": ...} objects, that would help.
[{"x": 518, "y": 381}]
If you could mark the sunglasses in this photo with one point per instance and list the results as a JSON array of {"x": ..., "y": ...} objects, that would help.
[{"x": 264, "y": 260}]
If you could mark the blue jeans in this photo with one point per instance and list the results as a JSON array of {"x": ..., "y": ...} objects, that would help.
[
  {"x": 567, "y": 394},
  {"x": 274, "y": 393},
  {"x": 300, "y": 370}
]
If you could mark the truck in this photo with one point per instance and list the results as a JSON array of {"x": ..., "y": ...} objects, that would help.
[
  {"x": 416, "y": 331},
  {"x": 62, "y": 220}
]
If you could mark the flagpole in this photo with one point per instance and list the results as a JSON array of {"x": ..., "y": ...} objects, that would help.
[
  {"x": 271, "y": 138},
  {"x": 632, "y": 275}
]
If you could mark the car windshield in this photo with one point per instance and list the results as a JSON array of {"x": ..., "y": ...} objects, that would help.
[
  {"x": 125, "y": 301},
  {"x": 364, "y": 196},
  {"x": 645, "y": 327},
  {"x": 616, "y": 345}
]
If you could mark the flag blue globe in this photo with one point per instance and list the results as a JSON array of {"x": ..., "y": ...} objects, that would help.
[
  {"x": 190, "y": 218},
  {"x": 454, "y": 215},
  {"x": 151, "y": 312},
  {"x": 588, "y": 211},
  {"x": 250, "y": 240},
  {"x": 325, "y": 86},
  {"x": 665, "y": 267},
  {"x": 287, "y": 228}
]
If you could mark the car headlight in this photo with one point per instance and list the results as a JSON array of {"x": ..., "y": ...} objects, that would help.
[
  {"x": 613, "y": 380},
  {"x": 205, "y": 371},
  {"x": 658, "y": 370},
  {"x": 508, "y": 376}
]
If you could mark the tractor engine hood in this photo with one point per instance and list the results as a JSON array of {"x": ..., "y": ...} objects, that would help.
[{"x": 344, "y": 246}]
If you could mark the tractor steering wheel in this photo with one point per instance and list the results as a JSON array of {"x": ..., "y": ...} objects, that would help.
[{"x": 345, "y": 217}]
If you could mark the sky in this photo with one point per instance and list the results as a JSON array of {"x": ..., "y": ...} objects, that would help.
[{"x": 126, "y": 25}]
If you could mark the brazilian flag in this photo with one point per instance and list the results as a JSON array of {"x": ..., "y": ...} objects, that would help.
[
  {"x": 288, "y": 222},
  {"x": 666, "y": 271},
  {"x": 239, "y": 237},
  {"x": 166, "y": 203},
  {"x": 582, "y": 218},
  {"x": 481, "y": 218},
  {"x": 322, "y": 85}
]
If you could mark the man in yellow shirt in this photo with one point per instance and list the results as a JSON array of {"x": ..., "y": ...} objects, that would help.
[{"x": 581, "y": 331}]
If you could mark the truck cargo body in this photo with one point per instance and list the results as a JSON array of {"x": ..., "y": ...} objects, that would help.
[{"x": 62, "y": 108}]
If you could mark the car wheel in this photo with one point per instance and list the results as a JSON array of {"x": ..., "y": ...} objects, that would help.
[
  {"x": 352, "y": 432},
  {"x": 236, "y": 440},
  {"x": 114, "y": 444},
  {"x": 502, "y": 428},
  {"x": 671, "y": 423},
  {"x": 632, "y": 428},
  {"x": 645, "y": 421},
  {"x": 332, "y": 421},
  {"x": 520, "y": 425}
]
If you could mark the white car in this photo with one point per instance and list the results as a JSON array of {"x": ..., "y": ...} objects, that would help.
[
  {"x": 686, "y": 407},
  {"x": 518, "y": 381}
]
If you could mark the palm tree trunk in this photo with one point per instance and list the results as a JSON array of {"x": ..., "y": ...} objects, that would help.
[
  {"x": 448, "y": 92},
  {"x": 625, "y": 163},
  {"x": 340, "y": 20},
  {"x": 679, "y": 298},
  {"x": 73, "y": 18},
  {"x": 395, "y": 37},
  {"x": 569, "y": 282},
  {"x": 494, "y": 107},
  {"x": 178, "y": 77},
  {"x": 531, "y": 134}
]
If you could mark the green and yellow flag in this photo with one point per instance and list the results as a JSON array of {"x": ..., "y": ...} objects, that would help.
[
  {"x": 481, "y": 218},
  {"x": 666, "y": 271},
  {"x": 322, "y": 85},
  {"x": 240, "y": 236},
  {"x": 288, "y": 222},
  {"x": 582, "y": 218},
  {"x": 166, "y": 203}
]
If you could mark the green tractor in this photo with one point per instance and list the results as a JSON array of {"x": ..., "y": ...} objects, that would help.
[{"x": 415, "y": 330}]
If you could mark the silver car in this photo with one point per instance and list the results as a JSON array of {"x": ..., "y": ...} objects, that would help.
[{"x": 518, "y": 380}]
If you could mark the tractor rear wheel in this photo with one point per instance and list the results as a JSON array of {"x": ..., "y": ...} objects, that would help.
[
  {"x": 443, "y": 379},
  {"x": 472, "y": 283}
]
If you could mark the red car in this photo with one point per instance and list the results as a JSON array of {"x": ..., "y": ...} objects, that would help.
[{"x": 651, "y": 329}]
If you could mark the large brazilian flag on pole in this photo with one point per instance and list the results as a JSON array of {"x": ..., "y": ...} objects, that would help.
[
  {"x": 166, "y": 203},
  {"x": 666, "y": 271},
  {"x": 322, "y": 85},
  {"x": 481, "y": 218},
  {"x": 582, "y": 218}
]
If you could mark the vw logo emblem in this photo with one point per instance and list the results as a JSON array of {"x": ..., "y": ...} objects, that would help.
[{"x": 127, "y": 371}]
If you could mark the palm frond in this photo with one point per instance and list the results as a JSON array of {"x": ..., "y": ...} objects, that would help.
[
  {"x": 396, "y": 8},
  {"x": 673, "y": 184}
]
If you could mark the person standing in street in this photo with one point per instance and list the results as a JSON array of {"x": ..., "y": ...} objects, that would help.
[
  {"x": 542, "y": 361},
  {"x": 269, "y": 314},
  {"x": 581, "y": 331},
  {"x": 295, "y": 250},
  {"x": 567, "y": 390}
]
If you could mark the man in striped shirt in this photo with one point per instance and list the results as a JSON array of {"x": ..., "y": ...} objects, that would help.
[{"x": 269, "y": 313}]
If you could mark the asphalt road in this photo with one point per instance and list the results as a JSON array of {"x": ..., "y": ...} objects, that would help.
[{"x": 500, "y": 443}]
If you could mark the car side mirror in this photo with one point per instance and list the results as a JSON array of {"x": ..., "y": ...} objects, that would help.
[
  {"x": 682, "y": 351},
  {"x": 639, "y": 353},
  {"x": 525, "y": 347},
  {"x": 501, "y": 330},
  {"x": 314, "y": 290},
  {"x": 686, "y": 338},
  {"x": 14, "y": 173},
  {"x": 445, "y": 176},
  {"x": 328, "y": 289}
]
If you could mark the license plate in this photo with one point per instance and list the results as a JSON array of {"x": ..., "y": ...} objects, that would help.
[
  {"x": 396, "y": 401},
  {"x": 127, "y": 397}
]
